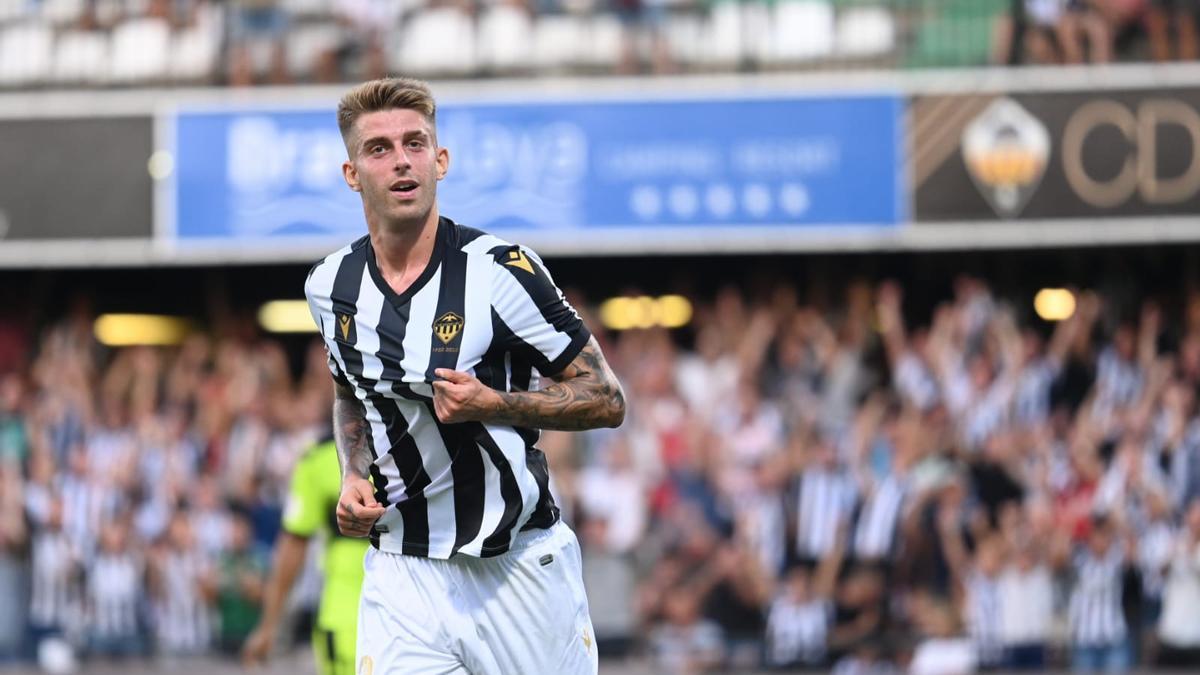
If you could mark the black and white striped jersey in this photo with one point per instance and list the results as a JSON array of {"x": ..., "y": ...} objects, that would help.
[
  {"x": 879, "y": 518},
  {"x": 114, "y": 594},
  {"x": 1095, "y": 608},
  {"x": 55, "y": 591},
  {"x": 481, "y": 306},
  {"x": 827, "y": 499}
]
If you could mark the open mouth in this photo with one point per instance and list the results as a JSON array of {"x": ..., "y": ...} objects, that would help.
[{"x": 403, "y": 187}]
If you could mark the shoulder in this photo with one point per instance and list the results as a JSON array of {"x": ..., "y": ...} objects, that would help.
[
  {"x": 321, "y": 275},
  {"x": 475, "y": 242}
]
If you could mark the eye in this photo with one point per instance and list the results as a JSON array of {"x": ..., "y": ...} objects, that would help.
[
  {"x": 378, "y": 148},
  {"x": 416, "y": 145}
]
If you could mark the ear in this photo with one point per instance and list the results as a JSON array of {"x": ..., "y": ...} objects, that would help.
[
  {"x": 351, "y": 175},
  {"x": 443, "y": 162}
]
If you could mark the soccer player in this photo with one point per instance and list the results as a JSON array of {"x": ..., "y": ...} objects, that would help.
[
  {"x": 434, "y": 331},
  {"x": 311, "y": 502}
]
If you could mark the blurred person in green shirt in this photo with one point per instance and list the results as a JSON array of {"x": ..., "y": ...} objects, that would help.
[
  {"x": 240, "y": 574},
  {"x": 312, "y": 500}
]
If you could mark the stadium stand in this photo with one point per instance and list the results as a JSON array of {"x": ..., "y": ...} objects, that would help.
[{"x": 199, "y": 41}]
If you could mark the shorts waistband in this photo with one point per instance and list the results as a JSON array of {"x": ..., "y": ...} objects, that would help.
[{"x": 526, "y": 538}]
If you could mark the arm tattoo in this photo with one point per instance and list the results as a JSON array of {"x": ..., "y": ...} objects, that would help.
[
  {"x": 586, "y": 395},
  {"x": 350, "y": 430}
]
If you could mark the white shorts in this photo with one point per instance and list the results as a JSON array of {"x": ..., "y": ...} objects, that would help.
[{"x": 520, "y": 613}]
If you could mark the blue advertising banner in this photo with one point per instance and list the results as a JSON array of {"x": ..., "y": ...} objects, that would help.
[{"x": 268, "y": 176}]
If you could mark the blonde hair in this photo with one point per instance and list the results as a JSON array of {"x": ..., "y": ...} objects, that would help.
[{"x": 390, "y": 93}]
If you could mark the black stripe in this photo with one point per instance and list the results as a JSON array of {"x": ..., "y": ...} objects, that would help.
[
  {"x": 490, "y": 370},
  {"x": 331, "y": 649},
  {"x": 466, "y": 467},
  {"x": 466, "y": 460},
  {"x": 451, "y": 308},
  {"x": 545, "y": 513},
  {"x": 463, "y": 235},
  {"x": 346, "y": 286},
  {"x": 414, "y": 510},
  {"x": 393, "y": 325},
  {"x": 522, "y": 374},
  {"x": 520, "y": 349},
  {"x": 500, "y": 538}
]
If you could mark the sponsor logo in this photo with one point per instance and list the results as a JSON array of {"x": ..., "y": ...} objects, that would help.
[
  {"x": 1006, "y": 151},
  {"x": 517, "y": 259}
]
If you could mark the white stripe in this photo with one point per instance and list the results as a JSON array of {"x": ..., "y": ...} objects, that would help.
[
  {"x": 482, "y": 244},
  {"x": 422, "y": 424},
  {"x": 368, "y": 308},
  {"x": 493, "y": 505}
]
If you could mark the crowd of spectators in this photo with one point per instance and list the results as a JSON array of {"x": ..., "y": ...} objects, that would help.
[
  {"x": 243, "y": 42},
  {"x": 1097, "y": 31},
  {"x": 796, "y": 486}
]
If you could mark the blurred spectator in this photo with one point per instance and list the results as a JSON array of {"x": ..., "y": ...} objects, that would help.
[
  {"x": 115, "y": 580},
  {"x": 1098, "y": 628},
  {"x": 14, "y": 441},
  {"x": 1171, "y": 25},
  {"x": 184, "y": 587},
  {"x": 800, "y": 617},
  {"x": 13, "y": 580},
  {"x": 1026, "y": 593},
  {"x": 257, "y": 33},
  {"x": 686, "y": 643},
  {"x": 1179, "y": 625},
  {"x": 56, "y": 599},
  {"x": 1054, "y": 31},
  {"x": 241, "y": 574}
]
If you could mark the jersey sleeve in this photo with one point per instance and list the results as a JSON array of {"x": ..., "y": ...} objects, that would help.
[
  {"x": 531, "y": 316},
  {"x": 302, "y": 514}
]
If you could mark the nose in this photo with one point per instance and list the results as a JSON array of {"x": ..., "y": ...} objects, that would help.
[{"x": 402, "y": 161}]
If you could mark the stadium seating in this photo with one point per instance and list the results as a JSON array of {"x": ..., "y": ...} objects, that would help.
[
  {"x": 505, "y": 39},
  {"x": 81, "y": 57},
  {"x": 26, "y": 53},
  {"x": 140, "y": 49}
]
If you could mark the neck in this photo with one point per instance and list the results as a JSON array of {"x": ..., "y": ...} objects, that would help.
[{"x": 403, "y": 249}]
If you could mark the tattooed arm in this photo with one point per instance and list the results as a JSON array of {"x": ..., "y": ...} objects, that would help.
[
  {"x": 585, "y": 395},
  {"x": 350, "y": 431},
  {"x": 357, "y": 509}
]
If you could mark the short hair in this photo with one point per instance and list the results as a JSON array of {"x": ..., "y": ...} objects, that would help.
[{"x": 389, "y": 93}]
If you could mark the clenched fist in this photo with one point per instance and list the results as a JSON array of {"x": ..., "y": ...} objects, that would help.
[
  {"x": 357, "y": 509},
  {"x": 460, "y": 397}
]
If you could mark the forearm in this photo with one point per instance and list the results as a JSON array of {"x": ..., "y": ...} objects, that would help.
[
  {"x": 289, "y": 556},
  {"x": 350, "y": 433},
  {"x": 572, "y": 405},
  {"x": 586, "y": 395}
]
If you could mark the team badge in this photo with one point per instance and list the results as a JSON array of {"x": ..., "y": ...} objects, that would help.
[
  {"x": 1006, "y": 150},
  {"x": 447, "y": 327},
  {"x": 517, "y": 259},
  {"x": 366, "y": 666}
]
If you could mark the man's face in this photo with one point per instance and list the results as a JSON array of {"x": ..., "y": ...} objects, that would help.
[{"x": 395, "y": 164}]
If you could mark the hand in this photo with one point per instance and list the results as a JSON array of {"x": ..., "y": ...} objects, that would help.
[
  {"x": 357, "y": 509},
  {"x": 257, "y": 647},
  {"x": 460, "y": 397}
]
